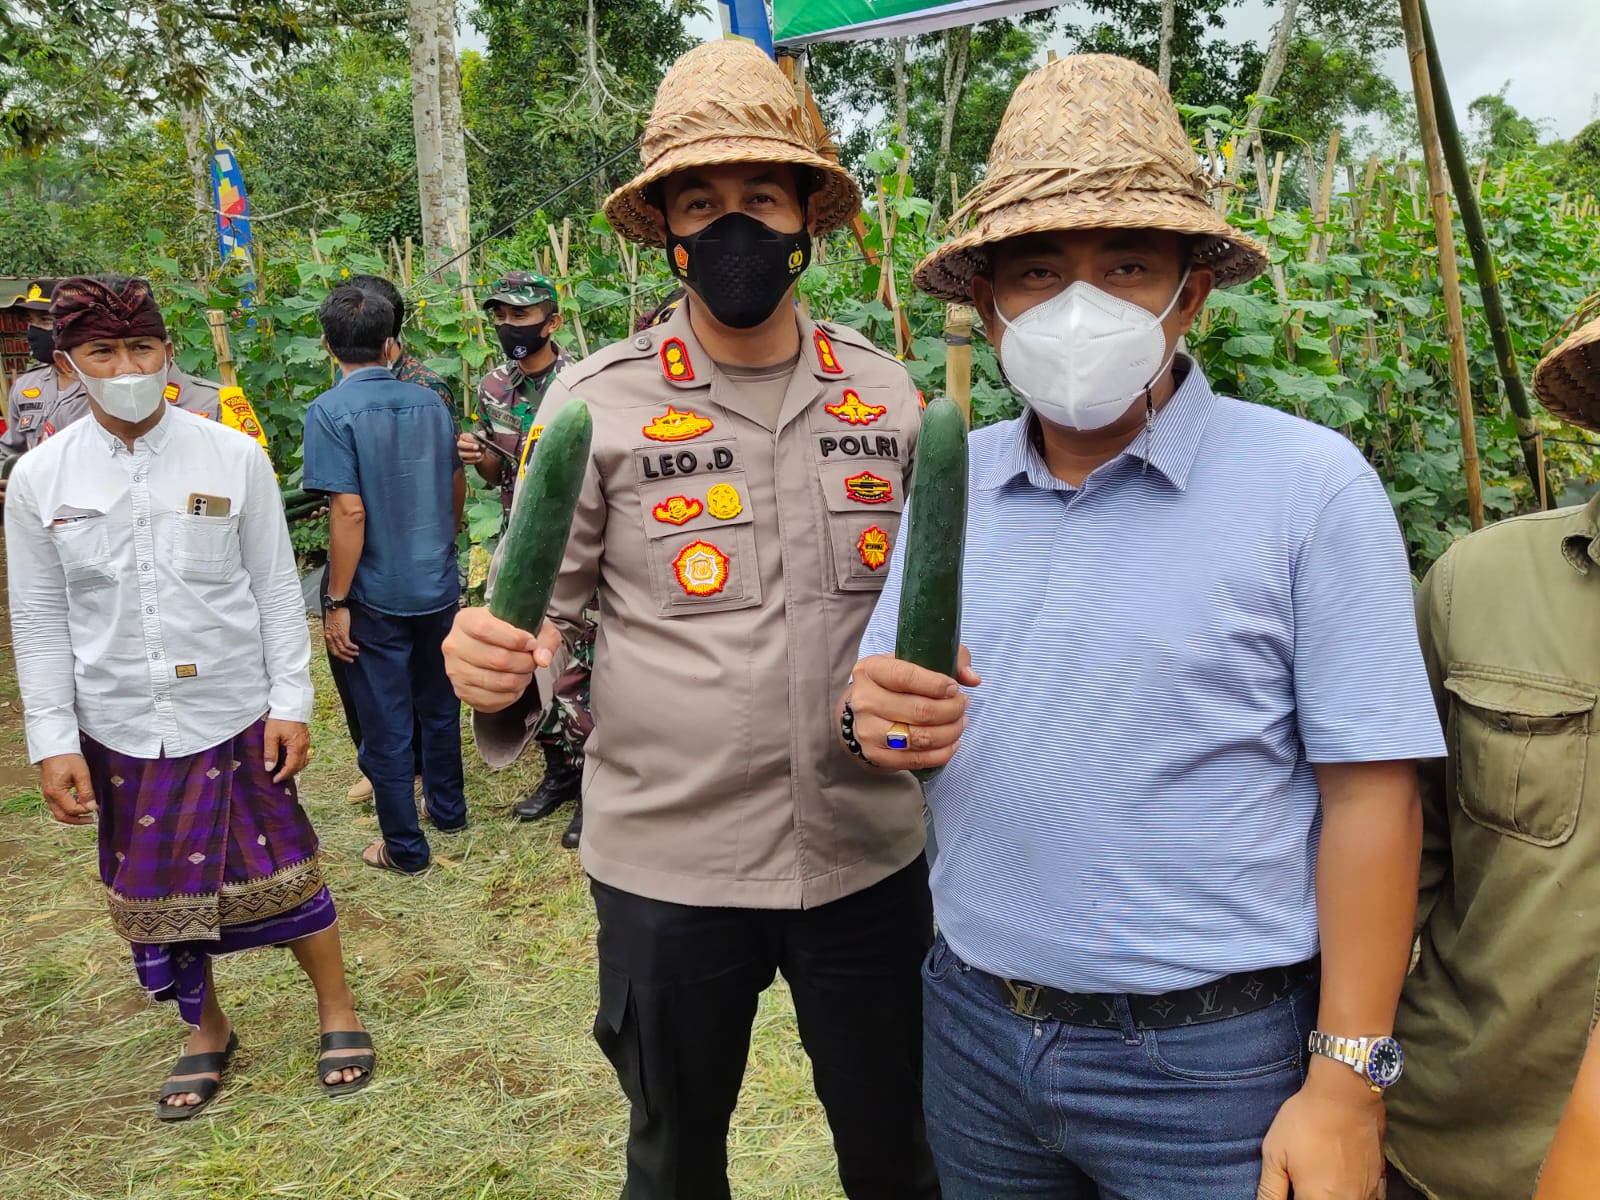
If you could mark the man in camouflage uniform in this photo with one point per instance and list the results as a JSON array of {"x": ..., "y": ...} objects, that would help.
[
  {"x": 46, "y": 400},
  {"x": 526, "y": 314}
]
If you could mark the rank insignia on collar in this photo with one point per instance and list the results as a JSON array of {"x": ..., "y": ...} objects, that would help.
[
  {"x": 723, "y": 502},
  {"x": 867, "y": 488},
  {"x": 170, "y": 393},
  {"x": 49, "y": 429},
  {"x": 675, "y": 364},
  {"x": 675, "y": 426},
  {"x": 852, "y": 411},
  {"x": 701, "y": 568},
  {"x": 677, "y": 510},
  {"x": 30, "y": 393},
  {"x": 874, "y": 547},
  {"x": 826, "y": 358}
]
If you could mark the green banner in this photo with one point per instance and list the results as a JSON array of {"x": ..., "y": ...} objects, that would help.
[{"x": 798, "y": 22}]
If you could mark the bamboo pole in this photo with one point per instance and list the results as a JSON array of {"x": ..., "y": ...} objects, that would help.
[
  {"x": 561, "y": 247},
  {"x": 218, "y": 320},
  {"x": 1449, "y": 277},
  {"x": 958, "y": 321},
  {"x": 1494, "y": 309}
]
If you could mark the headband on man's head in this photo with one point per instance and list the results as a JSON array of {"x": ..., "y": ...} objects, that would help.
[{"x": 87, "y": 309}]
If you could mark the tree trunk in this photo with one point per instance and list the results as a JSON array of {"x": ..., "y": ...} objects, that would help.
[
  {"x": 957, "y": 42},
  {"x": 1271, "y": 73},
  {"x": 902, "y": 112},
  {"x": 197, "y": 155},
  {"x": 452, "y": 138},
  {"x": 422, "y": 20},
  {"x": 1169, "y": 21}
]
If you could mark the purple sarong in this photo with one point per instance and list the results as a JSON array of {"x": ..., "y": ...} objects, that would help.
[{"x": 203, "y": 855}]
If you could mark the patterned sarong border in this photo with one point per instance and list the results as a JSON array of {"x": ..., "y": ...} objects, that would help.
[{"x": 201, "y": 917}]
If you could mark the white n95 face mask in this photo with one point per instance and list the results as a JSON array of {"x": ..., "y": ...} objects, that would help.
[
  {"x": 129, "y": 398},
  {"x": 1084, "y": 356}
]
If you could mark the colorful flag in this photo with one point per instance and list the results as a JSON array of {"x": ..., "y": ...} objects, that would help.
[
  {"x": 746, "y": 20},
  {"x": 234, "y": 240},
  {"x": 800, "y": 22}
]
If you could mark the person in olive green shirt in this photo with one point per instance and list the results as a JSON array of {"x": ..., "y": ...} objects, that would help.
[{"x": 1496, "y": 1015}]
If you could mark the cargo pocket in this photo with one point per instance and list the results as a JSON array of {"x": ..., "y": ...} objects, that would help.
[
  {"x": 84, "y": 547},
  {"x": 616, "y": 1032},
  {"x": 1520, "y": 746},
  {"x": 702, "y": 544},
  {"x": 864, "y": 501},
  {"x": 205, "y": 549}
]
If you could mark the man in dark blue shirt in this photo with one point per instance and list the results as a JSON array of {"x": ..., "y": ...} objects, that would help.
[{"x": 382, "y": 446}]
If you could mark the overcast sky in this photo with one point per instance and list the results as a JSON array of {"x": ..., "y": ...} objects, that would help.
[{"x": 1549, "y": 50}]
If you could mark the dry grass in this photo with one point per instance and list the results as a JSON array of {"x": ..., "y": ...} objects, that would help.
[{"x": 477, "y": 981}]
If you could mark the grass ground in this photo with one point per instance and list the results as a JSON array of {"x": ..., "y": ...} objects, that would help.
[{"x": 476, "y": 979}]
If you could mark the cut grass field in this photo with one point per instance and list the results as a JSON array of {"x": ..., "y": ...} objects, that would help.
[{"x": 476, "y": 979}]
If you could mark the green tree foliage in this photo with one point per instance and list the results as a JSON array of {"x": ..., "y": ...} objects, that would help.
[
  {"x": 1577, "y": 163},
  {"x": 1499, "y": 132},
  {"x": 540, "y": 114}
]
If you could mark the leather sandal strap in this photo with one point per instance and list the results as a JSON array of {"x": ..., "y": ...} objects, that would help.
[
  {"x": 346, "y": 1039},
  {"x": 204, "y": 1088}
]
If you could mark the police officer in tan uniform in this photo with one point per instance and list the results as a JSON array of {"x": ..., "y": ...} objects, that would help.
[{"x": 747, "y": 474}]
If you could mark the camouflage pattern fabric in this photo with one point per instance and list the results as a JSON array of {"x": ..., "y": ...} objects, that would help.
[
  {"x": 507, "y": 402},
  {"x": 569, "y": 723},
  {"x": 408, "y": 368}
]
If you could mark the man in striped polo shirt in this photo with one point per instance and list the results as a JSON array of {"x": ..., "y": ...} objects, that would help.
[{"x": 1177, "y": 818}]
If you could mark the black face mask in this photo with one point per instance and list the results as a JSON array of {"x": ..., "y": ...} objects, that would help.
[
  {"x": 521, "y": 342},
  {"x": 42, "y": 342},
  {"x": 739, "y": 267}
]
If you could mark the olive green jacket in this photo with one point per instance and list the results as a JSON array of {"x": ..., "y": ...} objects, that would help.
[{"x": 1496, "y": 1014}]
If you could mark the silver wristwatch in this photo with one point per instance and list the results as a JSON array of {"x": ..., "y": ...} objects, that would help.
[{"x": 1379, "y": 1060}]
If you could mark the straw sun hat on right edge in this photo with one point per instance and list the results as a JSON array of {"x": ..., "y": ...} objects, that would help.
[
  {"x": 1568, "y": 379},
  {"x": 1090, "y": 141},
  {"x": 727, "y": 102}
]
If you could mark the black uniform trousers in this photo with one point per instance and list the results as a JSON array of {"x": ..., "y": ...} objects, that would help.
[{"x": 679, "y": 986}]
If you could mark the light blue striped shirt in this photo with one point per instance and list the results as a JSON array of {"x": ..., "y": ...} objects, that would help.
[{"x": 1165, "y": 652}]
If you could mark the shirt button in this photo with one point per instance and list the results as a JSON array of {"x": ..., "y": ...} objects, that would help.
[
  {"x": 140, "y": 522},
  {"x": 144, "y": 566},
  {"x": 138, "y": 478},
  {"x": 150, "y": 609},
  {"x": 155, "y": 654},
  {"x": 642, "y": 342}
]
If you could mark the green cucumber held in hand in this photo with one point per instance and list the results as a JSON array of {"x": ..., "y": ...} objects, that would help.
[
  {"x": 541, "y": 519},
  {"x": 930, "y": 591}
]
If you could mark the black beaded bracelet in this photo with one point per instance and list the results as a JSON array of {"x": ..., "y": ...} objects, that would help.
[{"x": 847, "y": 731}]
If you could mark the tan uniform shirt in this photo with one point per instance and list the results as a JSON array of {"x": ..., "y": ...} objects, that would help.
[
  {"x": 39, "y": 406},
  {"x": 737, "y": 565},
  {"x": 1495, "y": 1017}
]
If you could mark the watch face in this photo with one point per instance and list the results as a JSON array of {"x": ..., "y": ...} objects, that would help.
[{"x": 1385, "y": 1062}]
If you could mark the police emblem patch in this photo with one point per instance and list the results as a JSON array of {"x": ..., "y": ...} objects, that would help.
[
  {"x": 677, "y": 510},
  {"x": 867, "y": 488},
  {"x": 874, "y": 547},
  {"x": 701, "y": 568},
  {"x": 852, "y": 411},
  {"x": 723, "y": 502},
  {"x": 675, "y": 426}
]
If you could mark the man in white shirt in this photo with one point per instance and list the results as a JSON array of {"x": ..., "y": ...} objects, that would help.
[{"x": 164, "y": 663}]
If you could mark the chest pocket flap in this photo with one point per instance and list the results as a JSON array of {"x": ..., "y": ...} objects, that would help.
[{"x": 1521, "y": 747}]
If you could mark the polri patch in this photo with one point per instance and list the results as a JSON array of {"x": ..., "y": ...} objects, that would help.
[
  {"x": 826, "y": 359},
  {"x": 534, "y": 433},
  {"x": 873, "y": 546},
  {"x": 867, "y": 488},
  {"x": 852, "y": 411},
  {"x": 675, "y": 426},
  {"x": 677, "y": 510},
  {"x": 701, "y": 568},
  {"x": 675, "y": 364}
]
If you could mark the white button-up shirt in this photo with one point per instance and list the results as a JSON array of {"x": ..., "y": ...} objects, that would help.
[{"x": 153, "y": 628}]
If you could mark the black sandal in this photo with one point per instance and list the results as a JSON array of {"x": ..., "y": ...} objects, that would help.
[
  {"x": 206, "y": 1089},
  {"x": 345, "y": 1039}
]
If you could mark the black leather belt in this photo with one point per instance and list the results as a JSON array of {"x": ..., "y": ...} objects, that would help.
[{"x": 1231, "y": 996}]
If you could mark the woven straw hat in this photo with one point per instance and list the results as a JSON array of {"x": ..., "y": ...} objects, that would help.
[
  {"x": 727, "y": 102},
  {"x": 1567, "y": 380},
  {"x": 1090, "y": 141}
]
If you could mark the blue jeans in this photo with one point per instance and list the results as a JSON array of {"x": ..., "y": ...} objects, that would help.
[
  {"x": 1037, "y": 1108},
  {"x": 397, "y": 678}
]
